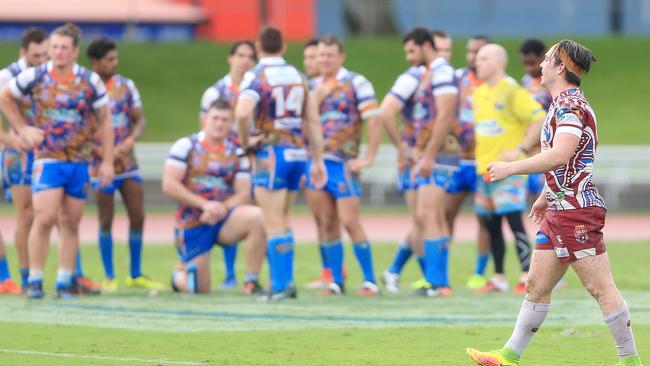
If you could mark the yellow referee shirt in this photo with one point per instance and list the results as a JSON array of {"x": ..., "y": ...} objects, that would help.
[{"x": 502, "y": 113}]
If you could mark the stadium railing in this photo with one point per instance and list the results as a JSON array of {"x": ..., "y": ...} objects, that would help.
[{"x": 618, "y": 168}]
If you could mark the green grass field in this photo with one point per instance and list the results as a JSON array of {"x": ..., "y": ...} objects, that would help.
[
  {"x": 228, "y": 328},
  {"x": 172, "y": 77}
]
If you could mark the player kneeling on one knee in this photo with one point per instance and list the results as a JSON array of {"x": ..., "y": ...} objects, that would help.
[{"x": 208, "y": 177}]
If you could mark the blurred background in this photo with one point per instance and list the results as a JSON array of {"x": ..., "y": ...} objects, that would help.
[{"x": 175, "y": 49}]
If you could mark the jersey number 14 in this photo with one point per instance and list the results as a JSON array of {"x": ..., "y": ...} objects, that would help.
[{"x": 289, "y": 105}]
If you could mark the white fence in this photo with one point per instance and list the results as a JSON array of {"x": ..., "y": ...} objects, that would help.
[{"x": 617, "y": 169}]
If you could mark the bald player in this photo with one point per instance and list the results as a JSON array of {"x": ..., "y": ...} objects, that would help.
[{"x": 507, "y": 121}]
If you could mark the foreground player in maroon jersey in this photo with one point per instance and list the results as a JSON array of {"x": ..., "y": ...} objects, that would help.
[{"x": 570, "y": 211}]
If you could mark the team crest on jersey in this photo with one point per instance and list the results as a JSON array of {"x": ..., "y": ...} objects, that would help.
[{"x": 581, "y": 234}]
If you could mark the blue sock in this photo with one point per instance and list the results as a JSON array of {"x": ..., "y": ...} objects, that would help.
[
  {"x": 135, "y": 250},
  {"x": 79, "y": 271},
  {"x": 277, "y": 253},
  {"x": 192, "y": 279},
  {"x": 333, "y": 250},
  {"x": 364, "y": 256},
  {"x": 444, "y": 260},
  {"x": 4, "y": 269},
  {"x": 229, "y": 257},
  {"x": 24, "y": 277},
  {"x": 404, "y": 252},
  {"x": 432, "y": 254},
  {"x": 481, "y": 263},
  {"x": 106, "y": 252},
  {"x": 422, "y": 261},
  {"x": 290, "y": 255}
]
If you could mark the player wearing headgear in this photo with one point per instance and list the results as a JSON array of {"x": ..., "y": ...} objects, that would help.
[
  {"x": 276, "y": 100},
  {"x": 64, "y": 98},
  {"x": 570, "y": 211},
  {"x": 209, "y": 176},
  {"x": 241, "y": 58}
]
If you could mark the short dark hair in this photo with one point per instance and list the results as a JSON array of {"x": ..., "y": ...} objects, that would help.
[
  {"x": 32, "y": 35},
  {"x": 533, "y": 46},
  {"x": 482, "y": 37},
  {"x": 311, "y": 43},
  {"x": 271, "y": 40},
  {"x": 235, "y": 46},
  {"x": 439, "y": 33},
  {"x": 419, "y": 36},
  {"x": 331, "y": 40},
  {"x": 578, "y": 57},
  {"x": 99, "y": 48},
  {"x": 69, "y": 30},
  {"x": 221, "y": 104}
]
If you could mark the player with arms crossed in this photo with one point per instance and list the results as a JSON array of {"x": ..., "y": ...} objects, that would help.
[
  {"x": 241, "y": 58},
  {"x": 17, "y": 162},
  {"x": 64, "y": 97},
  {"x": 276, "y": 99},
  {"x": 344, "y": 100},
  {"x": 128, "y": 124},
  {"x": 570, "y": 211},
  {"x": 207, "y": 174}
]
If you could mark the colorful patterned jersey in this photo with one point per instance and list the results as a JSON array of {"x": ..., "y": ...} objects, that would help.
[
  {"x": 210, "y": 172},
  {"x": 502, "y": 114},
  {"x": 438, "y": 79},
  {"x": 281, "y": 92},
  {"x": 11, "y": 72},
  {"x": 352, "y": 99},
  {"x": 222, "y": 89},
  {"x": 467, "y": 83},
  {"x": 63, "y": 109},
  {"x": 569, "y": 186},
  {"x": 534, "y": 86},
  {"x": 404, "y": 89},
  {"x": 123, "y": 97}
]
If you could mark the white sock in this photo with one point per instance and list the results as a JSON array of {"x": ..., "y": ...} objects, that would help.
[
  {"x": 35, "y": 275},
  {"x": 64, "y": 277},
  {"x": 531, "y": 316},
  {"x": 620, "y": 326}
]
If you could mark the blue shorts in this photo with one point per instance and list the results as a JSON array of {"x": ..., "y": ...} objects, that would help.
[
  {"x": 341, "y": 183},
  {"x": 73, "y": 177},
  {"x": 502, "y": 197},
  {"x": 404, "y": 182},
  {"x": 536, "y": 183},
  {"x": 279, "y": 168},
  {"x": 117, "y": 183},
  {"x": 16, "y": 167},
  {"x": 196, "y": 241},
  {"x": 464, "y": 179}
]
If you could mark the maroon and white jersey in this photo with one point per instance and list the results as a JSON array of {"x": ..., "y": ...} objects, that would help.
[{"x": 570, "y": 187}]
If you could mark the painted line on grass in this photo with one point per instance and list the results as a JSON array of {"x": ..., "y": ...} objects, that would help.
[
  {"x": 105, "y": 358},
  {"x": 271, "y": 316}
]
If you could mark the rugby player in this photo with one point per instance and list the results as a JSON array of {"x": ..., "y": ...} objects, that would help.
[
  {"x": 276, "y": 100},
  {"x": 570, "y": 211},
  {"x": 65, "y": 96},
  {"x": 209, "y": 176}
]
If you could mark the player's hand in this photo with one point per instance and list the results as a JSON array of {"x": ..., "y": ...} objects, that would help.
[
  {"x": 16, "y": 143},
  {"x": 499, "y": 170},
  {"x": 213, "y": 212},
  {"x": 125, "y": 147},
  {"x": 318, "y": 174},
  {"x": 423, "y": 168},
  {"x": 31, "y": 136},
  {"x": 324, "y": 89},
  {"x": 106, "y": 173},
  {"x": 356, "y": 165},
  {"x": 511, "y": 155},
  {"x": 538, "y": 210}
]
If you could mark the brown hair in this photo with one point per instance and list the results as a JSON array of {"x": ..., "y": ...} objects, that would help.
[
  {"x": 32, "y": 35},
  {"x": 69, "y": 30},
  {"x": 577, "y": 59},
  {"x": 270, "y": 39},
  {"x": 331, "y": 40}
]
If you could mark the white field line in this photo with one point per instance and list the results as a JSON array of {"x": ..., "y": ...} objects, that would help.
[{"x": 107, "y": 358}]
